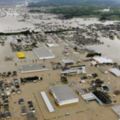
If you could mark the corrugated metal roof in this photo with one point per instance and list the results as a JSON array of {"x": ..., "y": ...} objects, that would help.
[
  {"x": 63, "y": 93},
  {"x": 43, "y": 53},
  {"x": 32, "y": 68}
]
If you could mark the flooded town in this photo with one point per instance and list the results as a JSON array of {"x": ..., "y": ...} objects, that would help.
[{"x": 52, "y": 68}]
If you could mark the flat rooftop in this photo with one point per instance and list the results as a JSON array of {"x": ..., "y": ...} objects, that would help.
[
  {"x": 115, "y": 71},
  {"x": 67, "y": 61},
  {"x": 102, "y": 60},
  {"x": 32, "y": 68},
  {"x": 64, "y": 94},
  {"x": 43, "y": 53}
]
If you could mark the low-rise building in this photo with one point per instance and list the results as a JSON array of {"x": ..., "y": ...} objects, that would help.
[{"x": 64, "y": 95}]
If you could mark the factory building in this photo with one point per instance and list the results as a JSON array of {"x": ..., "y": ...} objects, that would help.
[{"x": 64, "y": 95}]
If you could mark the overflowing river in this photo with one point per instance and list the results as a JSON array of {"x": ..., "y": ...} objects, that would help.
[{"x": 110, "y": 48}]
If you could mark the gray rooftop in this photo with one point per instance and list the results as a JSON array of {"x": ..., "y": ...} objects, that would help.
[
  {"x": 32, "y": 68},
  {"x": 67, "y": 61},
  {"x": 43, "y": 53},
  {"x": 63, "y": 93}
]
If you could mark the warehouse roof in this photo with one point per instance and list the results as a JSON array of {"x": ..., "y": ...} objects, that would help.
[
  {"x": 90, "y": 96},
  {"x": 102, "y": 60},
  {"x": 67, "y": 61},
  {"x": 77, "y": 70},
  {"x": 32, "y": 68},
  {"x": 43, "y": 53},
  {"x": 63, "y": 93}
]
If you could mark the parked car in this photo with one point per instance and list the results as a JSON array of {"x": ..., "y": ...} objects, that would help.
[
  {"x": 21, "y": 101},
  {"x": 23, "y": 110},
  {"x": 31, "y": 106}
]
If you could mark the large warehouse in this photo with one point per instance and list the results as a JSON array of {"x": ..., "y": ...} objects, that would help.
[
  {"x": 64, "y": 95},
  {"x": 32, "y": 68},
  {"x": 43, "y": 53}
]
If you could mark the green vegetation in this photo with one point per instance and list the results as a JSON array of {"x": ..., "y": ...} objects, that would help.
[
  {"x": 86, "y": 11},
  {"x": 113, "y": 14},
  {"x": 67, "y": 12},
  {"x": 70, "y": 12}
]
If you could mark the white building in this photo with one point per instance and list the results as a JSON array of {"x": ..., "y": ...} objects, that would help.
[
  {"x": 64, "y": 95},
  {"x": 102, "y": 60},
  {"x": 32, "y": 68},
  {"x": 47, "y": 102},
  {"x": 106, "y": 10},
  {"x": 75, "y": 70},
  {"x": 68, "y": 62},
  {"x": 115, "y": 71}
]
